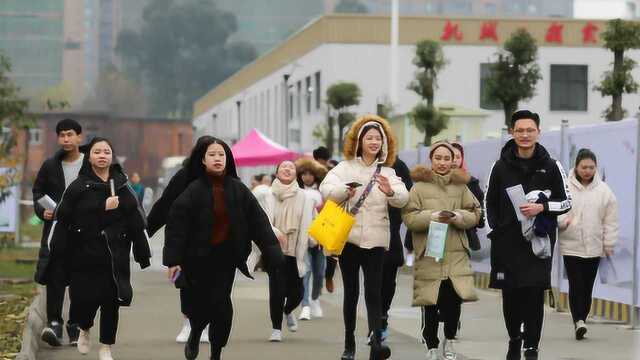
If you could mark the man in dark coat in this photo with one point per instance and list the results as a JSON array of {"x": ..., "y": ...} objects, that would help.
[
  {"x": 55, "y": 174},
  {"x": 515, "y": 269}
]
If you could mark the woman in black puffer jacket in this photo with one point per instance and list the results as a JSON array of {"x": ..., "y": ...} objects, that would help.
[{"x": 101, "y": 218}]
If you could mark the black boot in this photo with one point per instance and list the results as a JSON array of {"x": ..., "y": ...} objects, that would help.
[
  {"x": 192, "y": 346},
  {"x": 531, "y": 354},
  {"x": 74, "y": 332},
  {"x": 378, "y": 351},
  {"x": 52, "y": 334},
  {"x": 349, "y": 347},
  {"x": 515, "y": 348}
]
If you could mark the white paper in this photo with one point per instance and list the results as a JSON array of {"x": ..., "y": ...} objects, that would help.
[
  {"x": 47, "y": 203},
  {"x": 113, "y": 188},
  {"x": 436, "y": 239},
  {"x": 518, "y": 198}
]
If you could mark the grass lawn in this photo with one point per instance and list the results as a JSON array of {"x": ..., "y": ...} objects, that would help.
[{"x": 14, "y": 298}]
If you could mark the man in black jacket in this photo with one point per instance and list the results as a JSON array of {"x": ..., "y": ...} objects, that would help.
[
  {"x": 55, "y": 174},
  {"x": 515, "y": 269}
]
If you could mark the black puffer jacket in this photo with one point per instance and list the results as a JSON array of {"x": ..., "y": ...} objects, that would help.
[
  {"x": 157, "y": 217},
  {"x": 395, "y": 255},
  {"x": 99, "y": 239},
  {"x": 513, "y": 264},
  {"x": 472, "y": 234},
  {"x": 191, "y": 223}
]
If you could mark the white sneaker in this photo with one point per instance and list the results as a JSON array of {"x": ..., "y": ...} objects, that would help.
[
  {"x": 183, "y": 335},
  {"x": 305, "y": 314},
  {"x": 292, "y": 324},
  {"x": 316, "y": 309},
  {"x": 105, "y": 353},
  {"x": 433, "y": 354},
  {"x": 204, "y": 337},
  {"x": 84, "y": 342},
  {"x": 276, "y": 336},
  {"x": 581, "y": 330},
  {"x": 448, "y": 351}
]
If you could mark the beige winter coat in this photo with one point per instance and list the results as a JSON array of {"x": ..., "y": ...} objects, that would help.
[
  {"x": 594, "y": 219},
  {"x": 430, "y": 194},
  {"x": 372, "y": 221}
]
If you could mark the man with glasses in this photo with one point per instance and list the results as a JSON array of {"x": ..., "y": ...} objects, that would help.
[{"x": 527, "y": 190}]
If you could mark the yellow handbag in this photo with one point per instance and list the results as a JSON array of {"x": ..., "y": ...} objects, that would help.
[
  {"x": 333, "y": 224},
  {"x": 331, "y": 227}
]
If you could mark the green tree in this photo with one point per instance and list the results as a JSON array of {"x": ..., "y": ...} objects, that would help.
[
  {"x": 619, "y": 37},
  {"x": 14, "y": 119},
  {"x": 115, "y": 93},
  {"x": 182, "y": 50},
  {"x": 429, "y": 59},
  {"x": 351, "y": 7},
  {"x": 340, "y": 97},
  {"x": 513, "y": 77}
]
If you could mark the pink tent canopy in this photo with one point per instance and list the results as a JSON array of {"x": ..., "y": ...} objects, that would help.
[{"x": 257, "y": 149}]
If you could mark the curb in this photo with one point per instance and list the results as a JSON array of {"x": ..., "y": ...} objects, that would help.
[{"x": 36, "y": 319}]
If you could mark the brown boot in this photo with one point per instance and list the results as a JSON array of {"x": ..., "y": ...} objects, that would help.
[{"x": 329, "y": 285}]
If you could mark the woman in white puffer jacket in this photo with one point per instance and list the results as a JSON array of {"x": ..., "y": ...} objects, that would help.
[{"x": 587, "y": 233}]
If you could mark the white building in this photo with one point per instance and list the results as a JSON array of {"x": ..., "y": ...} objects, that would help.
[
  {"x": 606, "y": 9},
  {"x": 355, "y": 49}
]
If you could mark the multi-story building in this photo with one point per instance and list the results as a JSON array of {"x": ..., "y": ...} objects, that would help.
[
  {"x": 607, "y": 9},
  {"x": 58, "y": 42},
  {"x": 283, "y": 93}
]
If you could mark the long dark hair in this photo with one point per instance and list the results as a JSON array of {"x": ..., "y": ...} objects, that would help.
[
  {"x": 194, "y": 164},
  {"x": 362, "y": 134}
]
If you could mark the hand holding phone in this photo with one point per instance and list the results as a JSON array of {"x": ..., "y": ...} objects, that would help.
[
  {"x": 447, "y": 213},
  {"x": 353, "y": 184}
]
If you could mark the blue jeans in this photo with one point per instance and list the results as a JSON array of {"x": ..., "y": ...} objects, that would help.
[{"x": 317, "y": 268}]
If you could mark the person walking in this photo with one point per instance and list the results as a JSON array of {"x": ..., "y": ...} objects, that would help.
[
  {"x": 208, "y": 236},
  {"x": 527, "y": 190},
  {"x": 365, "y": 181},
  {"x": 587, "y": 233},
  {"x": 54, "y": 176},
  {"x": 440, "y": 286},
  {"x": 394, "y": 257},
  {"x": 137, "y": 186},
  {"x": 159, "y": 213},
  {"x": 310, "y": 175},
  {"x": 102, "y": 220},
  {"x": 476, "y": 190},
  {"x": 290, "y": 210}
]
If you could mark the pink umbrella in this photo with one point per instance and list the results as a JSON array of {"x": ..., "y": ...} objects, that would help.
[{"x": 257, "y": 149}]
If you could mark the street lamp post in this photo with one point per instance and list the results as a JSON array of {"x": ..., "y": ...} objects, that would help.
[
  {"x": 286, "y": 109},
  {"x": 238, "y": 104}
]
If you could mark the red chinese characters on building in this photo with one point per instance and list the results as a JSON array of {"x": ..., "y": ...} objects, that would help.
[
  {"x": 589, "y": 33},
  {"x": 489, "y": 30},
  {"x": 554, "y": 33},
  {"x": 451, "y": 31}
]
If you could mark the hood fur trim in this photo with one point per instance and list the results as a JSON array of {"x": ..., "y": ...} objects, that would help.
[
  {"x": 422, "y": 173},
  {"x": 307, "y": 164},
  {"x": 351, "y": 140}
]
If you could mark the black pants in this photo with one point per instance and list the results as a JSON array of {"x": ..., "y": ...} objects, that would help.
[
  {"x": 330, "y": 271},
  {"x": 447, "y": 309},
  {"x": 370, "y": 260},
  {"x": 208, "y": 302},
  {"x": 104, "y": 297},
  {"x": 285, "y": 291},
  {"x": 581, "y": 273},
  {"x": 56, "y": 286},
  {"x": 524, "y": 306},
  {"x": 389, "y": 275}
]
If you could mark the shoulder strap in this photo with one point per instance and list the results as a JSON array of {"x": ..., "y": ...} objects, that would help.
[{"x": 354, "y": 210}]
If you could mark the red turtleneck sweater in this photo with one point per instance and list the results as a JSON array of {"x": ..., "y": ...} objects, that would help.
[{"x": 220, "y": 213}]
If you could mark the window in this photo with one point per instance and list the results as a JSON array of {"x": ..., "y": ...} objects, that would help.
[
  {"x": 318, "y": 91},
  {"x": 485, "y": 101},
  {"x": 308, "y": 92},
  {"x": 35, "y": 136},
  {"x": 569, "y": 88}
]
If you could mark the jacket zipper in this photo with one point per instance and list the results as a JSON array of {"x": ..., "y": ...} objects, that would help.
[{"x": 113, "y": 267}]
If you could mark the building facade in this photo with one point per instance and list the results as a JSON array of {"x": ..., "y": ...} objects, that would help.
[
  {"x": 607, "y": 9},
  {"x": 285, "y": 89}
]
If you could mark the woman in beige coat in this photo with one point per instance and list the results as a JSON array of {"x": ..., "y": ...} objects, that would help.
[
  {"x": 440, "y": 194},
  {"x": 369, "y": 151},
  {"x": 587, "y": 233}
]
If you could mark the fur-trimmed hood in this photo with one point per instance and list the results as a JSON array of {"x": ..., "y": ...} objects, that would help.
[
  {"x": 307, "y": 164},
  {"x": 388, "y": 152},
  {"x": 422, "y": 173}
]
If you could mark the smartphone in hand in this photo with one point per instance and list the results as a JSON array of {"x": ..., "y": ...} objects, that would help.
[
  {"x": 353, "y": 184},
  {"x": 447, "y": 213},
  {"x": 175, "y": 276}
]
